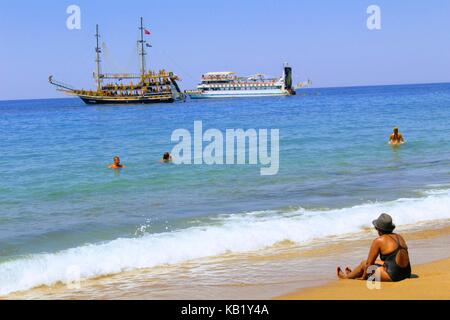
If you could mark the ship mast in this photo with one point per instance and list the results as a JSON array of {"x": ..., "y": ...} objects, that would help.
[
  {"x": 142, "y": 53},
  {"x": 98, "y": 61}
]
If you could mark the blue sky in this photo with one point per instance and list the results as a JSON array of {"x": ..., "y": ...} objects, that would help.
[{"x": 326, "y": 41}]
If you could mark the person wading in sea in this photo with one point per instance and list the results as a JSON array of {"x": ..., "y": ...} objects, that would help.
[
  {"x": 167, "y": 158},
  {"x": 396, "y": 137},
  {"x": 116, "y": 164}
]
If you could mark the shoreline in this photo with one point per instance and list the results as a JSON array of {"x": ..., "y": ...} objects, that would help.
[
  {"x": 429, "y": 281},
  {"x": 274, "y": 272}
]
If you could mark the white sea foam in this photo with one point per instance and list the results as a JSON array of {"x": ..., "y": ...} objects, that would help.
[{"x": 233, "y": 233}]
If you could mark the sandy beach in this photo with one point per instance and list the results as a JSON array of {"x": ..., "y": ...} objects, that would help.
[{"x": 429, "y": 281}]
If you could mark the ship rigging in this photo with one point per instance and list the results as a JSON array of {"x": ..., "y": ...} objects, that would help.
[{"x": 150, "y": 87}]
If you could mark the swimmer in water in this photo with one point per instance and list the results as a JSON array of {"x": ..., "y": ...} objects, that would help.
[
  {"x": 396, "y": 138},
  {"x": 116, "y": 164},
  {"x": 167, "y": 158}
]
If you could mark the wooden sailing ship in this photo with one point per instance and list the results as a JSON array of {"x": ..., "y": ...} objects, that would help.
[{"x": 145, "y": 87}]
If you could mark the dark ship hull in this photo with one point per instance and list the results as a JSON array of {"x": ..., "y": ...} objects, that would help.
[{"x": 126, "y": 100}]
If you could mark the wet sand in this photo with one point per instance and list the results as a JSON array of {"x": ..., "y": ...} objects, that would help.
[{"x": 274, "y": 272}]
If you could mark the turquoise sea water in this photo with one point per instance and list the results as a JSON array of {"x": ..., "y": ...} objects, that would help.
[{"x": 60, "y": 205}]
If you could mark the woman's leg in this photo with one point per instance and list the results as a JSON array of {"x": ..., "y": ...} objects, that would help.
[
  {"x": 340, "y": 273},
  {"x": 382, "y": 275},
  {"x": 378, "y": 262},
  {"x": 356, "y": 273}
]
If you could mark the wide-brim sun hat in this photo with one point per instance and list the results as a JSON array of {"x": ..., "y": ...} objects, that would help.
[{"x": 384, "y": 223}]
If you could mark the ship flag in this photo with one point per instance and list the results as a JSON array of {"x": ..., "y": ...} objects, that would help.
[{"x": 147, "y": 32}]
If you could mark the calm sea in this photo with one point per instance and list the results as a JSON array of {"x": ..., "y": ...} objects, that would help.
[{"x": 60, "y": 206}]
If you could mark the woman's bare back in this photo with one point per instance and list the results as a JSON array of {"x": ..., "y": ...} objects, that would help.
[{"x": 390, "y": 243}]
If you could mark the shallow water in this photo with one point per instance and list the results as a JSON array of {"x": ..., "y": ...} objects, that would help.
[
  {"x": 60, "y": 206},
  {"x": 262, "y": 274}
]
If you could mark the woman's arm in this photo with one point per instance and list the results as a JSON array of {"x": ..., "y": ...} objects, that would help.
[{"x": 372, "y": 257}]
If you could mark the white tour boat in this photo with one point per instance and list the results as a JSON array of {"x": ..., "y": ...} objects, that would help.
[{"x": 229, "y": 85}]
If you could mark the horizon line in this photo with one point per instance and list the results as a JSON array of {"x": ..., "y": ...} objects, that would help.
[{"x": 324, "y": 87}]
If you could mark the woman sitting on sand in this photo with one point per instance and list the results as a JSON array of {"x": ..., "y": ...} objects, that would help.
[{"x": 393, "y": 251}]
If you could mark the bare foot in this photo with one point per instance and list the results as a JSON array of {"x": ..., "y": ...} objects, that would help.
[{"x": 340, "y": 274}]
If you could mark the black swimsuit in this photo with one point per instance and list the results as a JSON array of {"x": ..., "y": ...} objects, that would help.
[{"x": 396, "y": 273}]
